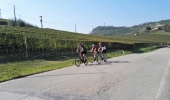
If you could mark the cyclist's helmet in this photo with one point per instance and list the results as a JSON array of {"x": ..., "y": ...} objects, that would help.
[
  {"x": 79, "y": 43},
  {"x": 93, "y": 45},
  {"x": 100, "y": 43}
]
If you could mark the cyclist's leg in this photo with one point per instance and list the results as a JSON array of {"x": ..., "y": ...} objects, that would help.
[
  {"x": 81, "y": 56},
  {"x": 95, "y": 55},
  {"x": 104, "y": 54},
  {"x": 101, "y": 54},
  {"x": 84, "y": 55}
]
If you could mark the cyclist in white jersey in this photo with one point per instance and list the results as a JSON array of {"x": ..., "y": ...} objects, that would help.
[{"x": 102, "y": 49}]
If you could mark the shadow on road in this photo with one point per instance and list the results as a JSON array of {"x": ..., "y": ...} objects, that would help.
[
  {"x": 112, "y": 62},
  {"x": 66, "y": 74},
  {"x": 118, "y": 62},
  {"x": 108, "y": 62}
]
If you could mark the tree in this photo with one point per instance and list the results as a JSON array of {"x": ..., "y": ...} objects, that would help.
[
  {"x": 148, "y": 28},
  {"x": 21, "y": 23},
  {"x": 159, "y": 28},
  {"x": 166, "y": 28}
]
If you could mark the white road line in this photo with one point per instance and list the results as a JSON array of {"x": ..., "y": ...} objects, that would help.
[{"x": 163, "y": 81}]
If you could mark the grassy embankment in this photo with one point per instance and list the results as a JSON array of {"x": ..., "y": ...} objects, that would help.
[{"x": 12, "y": 67}]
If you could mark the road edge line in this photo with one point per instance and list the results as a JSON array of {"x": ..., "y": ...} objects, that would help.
[{"x": 163, "y": 81}]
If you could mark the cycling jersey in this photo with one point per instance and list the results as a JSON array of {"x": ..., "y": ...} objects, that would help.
[
  {"x": 81, "y": 49},
  {"x": 95, "y": 48},
  {"x": 104, "y": 48}
]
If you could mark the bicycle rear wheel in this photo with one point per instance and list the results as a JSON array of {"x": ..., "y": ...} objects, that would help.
[
  {"x": 86, "y": 62},
  {"x": 106, "y": 59},
  {"x": 77, "y": 61},
  {"x": 99, "y": 59}
]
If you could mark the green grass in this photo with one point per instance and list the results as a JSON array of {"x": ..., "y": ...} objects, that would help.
[
  {"x": 14, "y": 70},
  {"x": 144, "y": 49},
  {"x": 161, "y": 33},
  {"x": 13, "y": 66},
  {"x": 21, "y": 67}
]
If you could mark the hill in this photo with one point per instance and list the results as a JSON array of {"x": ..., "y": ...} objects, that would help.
[{"x": 117, "y": 31}]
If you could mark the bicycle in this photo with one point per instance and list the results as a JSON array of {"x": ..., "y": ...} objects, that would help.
[
  {"x": 101, "y": 55},
  {"x": 79, "y": 60},
  {"x": 94, "y": 58}
]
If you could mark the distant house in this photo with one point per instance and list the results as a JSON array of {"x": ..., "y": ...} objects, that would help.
[
  {"x": 159, "y": 25},
  {"x": 155, "y": 28}
]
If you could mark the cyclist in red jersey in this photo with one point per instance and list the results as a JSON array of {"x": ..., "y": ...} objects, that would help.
[{"x": 94, "y": 49}]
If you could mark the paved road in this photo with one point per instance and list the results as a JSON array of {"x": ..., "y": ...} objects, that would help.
[{"x": 130, "y": 77}]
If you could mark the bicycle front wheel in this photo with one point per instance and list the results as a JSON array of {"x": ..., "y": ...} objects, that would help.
[
  {"x": 77, "y": 61},
  {"x": 99, "y": 59},
  {"x": 86, "y": 62}
]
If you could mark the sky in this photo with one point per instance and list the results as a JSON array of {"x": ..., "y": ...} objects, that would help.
[{"x": 86, "y": 14}]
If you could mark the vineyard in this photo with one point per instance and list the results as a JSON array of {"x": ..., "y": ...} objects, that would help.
[
  {"x": 46, "y": 42},
  {"x": 148, "y": 38}
]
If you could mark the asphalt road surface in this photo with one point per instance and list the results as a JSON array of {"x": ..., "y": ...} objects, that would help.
[{"x": 130, "y": 77}]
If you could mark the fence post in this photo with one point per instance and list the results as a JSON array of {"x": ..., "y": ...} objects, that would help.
[
  {"x": 26, "y": 51},
  {"x": 43, "y": 45},
  {"x": 123, "y": 52}
]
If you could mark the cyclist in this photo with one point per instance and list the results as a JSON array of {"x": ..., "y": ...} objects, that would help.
[
  {"x": 94, "y": 49},
  {"x": 82, "y": 50},
  {"x": 102, "y": 49}
]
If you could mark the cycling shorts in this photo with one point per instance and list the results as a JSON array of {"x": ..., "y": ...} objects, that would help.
[
  {"x": 104, "y": 51},
  {"x": 84, "y": 52}
]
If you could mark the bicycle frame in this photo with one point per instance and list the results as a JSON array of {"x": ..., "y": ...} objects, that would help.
[
  {"x": 81, "y": 57},
  {"x": 79, "y": 60},
  {"x": 103, "y": 56}
]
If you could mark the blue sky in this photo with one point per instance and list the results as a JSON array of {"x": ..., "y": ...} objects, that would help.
[{"x": 87, "y": 14}]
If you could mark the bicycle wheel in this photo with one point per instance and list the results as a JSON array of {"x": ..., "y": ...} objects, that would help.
[
  {"x": 77, "y": 61},
  {"x": 100, "y": 59},
  {"x": 86, "y": 62},
  {"x": 97, "y": 59},
  {"x": 105, "y": 59},
  {"x": 92, "y": 59}
]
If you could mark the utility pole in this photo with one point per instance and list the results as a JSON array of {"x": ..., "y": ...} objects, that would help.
[
  {"x": 14, "y": 15},
  {"x": 0, "y": 14},
  {"x": 41, "y": 22},
  {"x": 75, "y": 27}
]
